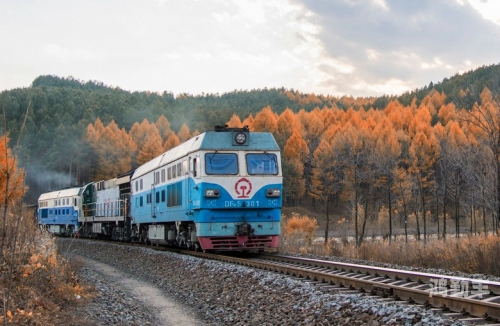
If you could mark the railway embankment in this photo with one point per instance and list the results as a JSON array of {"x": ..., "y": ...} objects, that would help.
[{"x": 215, "y": 293}]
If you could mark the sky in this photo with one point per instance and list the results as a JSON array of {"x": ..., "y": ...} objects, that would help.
[{"x": 329, "y": 47}]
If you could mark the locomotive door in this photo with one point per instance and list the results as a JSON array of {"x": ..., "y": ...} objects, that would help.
[
  {"x": 152, "y": 201},
  {"x": 189, "y": 185}
]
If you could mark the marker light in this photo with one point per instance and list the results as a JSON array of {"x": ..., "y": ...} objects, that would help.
[
  {"x": 212, "y": 193},
  {"x": 273, "y": 192}
]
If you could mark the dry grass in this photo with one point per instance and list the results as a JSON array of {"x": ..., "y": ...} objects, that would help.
[
  {"x": 37, "y": 286},
  {"x": 469, "y": 254}
]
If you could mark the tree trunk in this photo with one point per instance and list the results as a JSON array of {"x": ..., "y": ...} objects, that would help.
[
  {"x": 457, "y": 215},
  {"x": 436, "y": 214},
  {"x": 356, "y": 216},
  {"x": 484, "y": 222},
  {"x": 444, "y": 218},
  {"x": 327, "y": 221},
  {"x": 365, "y": 218},
  {"x": 418, "y": 226},
  {"x": 390, "y": 215}
]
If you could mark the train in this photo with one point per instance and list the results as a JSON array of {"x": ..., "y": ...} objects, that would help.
[{"x": 218, "y": 191}]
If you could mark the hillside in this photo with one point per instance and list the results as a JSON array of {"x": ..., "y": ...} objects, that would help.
[{"x": 58, "y": 110}]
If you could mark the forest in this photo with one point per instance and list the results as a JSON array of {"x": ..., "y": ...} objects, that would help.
[{"x": 426, "y": 156}]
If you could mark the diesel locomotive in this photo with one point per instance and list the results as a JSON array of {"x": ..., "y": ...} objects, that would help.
[{"x": 220, "y": 190}]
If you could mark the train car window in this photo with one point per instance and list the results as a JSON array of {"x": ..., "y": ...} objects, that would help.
[
  {"x": 148, "y": 199},
  {"x": 163, "y": 196},
  {"x": 174, "y": 171},
  {"x": 185, "y": 167},
  {"x": 169, "y": 173},
  {"x": 136, "y": 186},
  {"x": 140, "y": 184},
  {"x": 264, "y": 163},
  {"x": 163, "y": 175},
  {"x": 141, "y": 201},
  {"x": 157, "y": 197},
  {"x": 221, "y": 163},
  {"x": 179, "y": 169},
  {"x": 195, "y": 167},
  {"x": 44, "y": 213}
]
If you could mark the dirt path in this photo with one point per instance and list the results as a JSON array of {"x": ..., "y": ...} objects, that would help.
[{"x": 168, "y": 312}]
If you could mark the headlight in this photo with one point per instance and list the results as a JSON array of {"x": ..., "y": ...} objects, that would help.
[
  {"x": 273, "y": 192},
  {"x": 212, "y": 193},
  {"x": 240, "y": 138}
]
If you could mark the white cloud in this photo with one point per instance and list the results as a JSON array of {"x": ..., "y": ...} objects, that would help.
[{"x": 490, "y": 10}]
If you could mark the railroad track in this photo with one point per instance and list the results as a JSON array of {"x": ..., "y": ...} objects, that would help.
[
  {"x": 475, "y": 301},
  {"x": 471, "y": 300}
]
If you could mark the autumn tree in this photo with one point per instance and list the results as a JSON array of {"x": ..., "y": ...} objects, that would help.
[
  {"x": 235, "y": 122},
  {"x": 327, "y": 178},
  {"x": 12, "y": 186},
  {"x": 171, "y": 142},
  {"x": 151, "y": 149},
  {"x": 287, "y": 124},
  {"x": 184, "y": 133},
  {"x": 423, "y": 151},
  {"x": 163, "y": 126},
  {"x": 484, "y": 119},
  {"x": 295, "y": 153},
  {"x": 265, "y": 120},
  {"x": 355, "y": 150},
  {"x": 386, "y": 153},
  {"x": 140, "y": 132},
  {"x": 113, "y": 148}
]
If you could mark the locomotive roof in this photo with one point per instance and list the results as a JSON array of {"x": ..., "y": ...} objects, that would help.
[
  {"x": 210, "y": 140},
  {"x": 60, "y": 193}
]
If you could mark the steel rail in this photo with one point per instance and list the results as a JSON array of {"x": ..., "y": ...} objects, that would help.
[{"x": 414, "y": 287}]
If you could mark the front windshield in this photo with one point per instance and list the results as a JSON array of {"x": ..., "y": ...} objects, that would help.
[
  {"x": 264, "y": 163},
  {"x": 221, "y": 163}
]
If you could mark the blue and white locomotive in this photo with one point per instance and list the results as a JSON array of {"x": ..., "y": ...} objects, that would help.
[
  {"x": 220, "y": 190},
  {"x": 58, "y": 211}
]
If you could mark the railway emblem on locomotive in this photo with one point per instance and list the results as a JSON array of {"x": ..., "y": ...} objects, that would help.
[{"x": 243, "y": 187}]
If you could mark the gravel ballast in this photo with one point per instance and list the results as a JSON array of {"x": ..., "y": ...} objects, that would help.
[{"x": 217, "y": 293}]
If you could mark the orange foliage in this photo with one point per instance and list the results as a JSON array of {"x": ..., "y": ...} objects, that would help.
[
  {"x": 184, "y": 133},
  {"x": 302, "y": 224},
  {"x": 11, "y": 173},
  {"x": 151, "y": 149},
  {"x": 296, "y": 147},
  {"x": 113, "y": 147},
  {"x": 265, "y": 120},
  {"x": 235, "y": 122},
  {"x": 171, "y": 142}
]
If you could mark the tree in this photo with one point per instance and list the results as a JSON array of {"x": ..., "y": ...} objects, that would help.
[
  {"x": 424, "y": 150},
  {"x": 327, "y": 177},
  {"x": 151, "y": 149},
  {"x": 386, "y": 153},
  {"x": 171, "y": 142},
  {"x": 184, "y": 133},
  {"x": 141, "y": 132},
  {"x": 163, "y": 126},
  {"x": 265, "y": 120},
  {"x": 294, "y": 155},
  {"x": 12, "y": 186},
  {"x": 235, "y": 122},
  {"x": 114, "y": 149},
  {"x": 484, "y": 119},
  {"x": 355, "y": 149}
]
